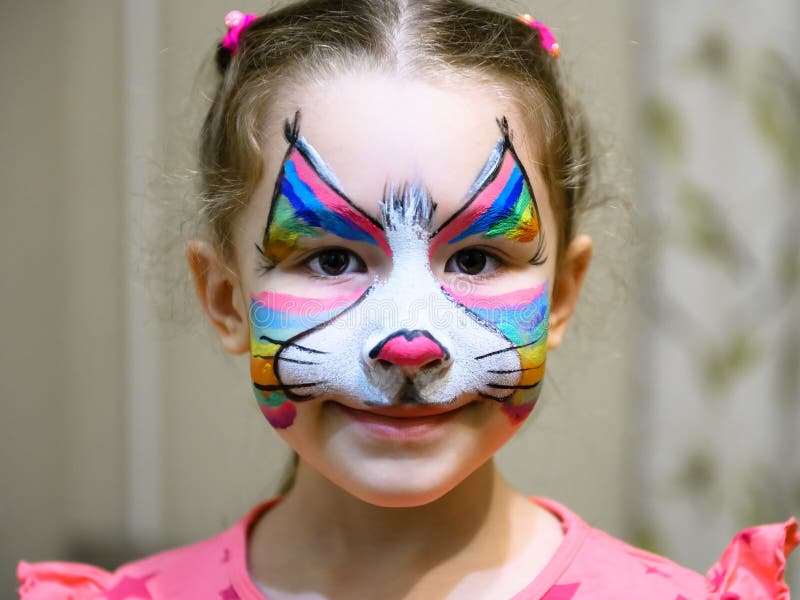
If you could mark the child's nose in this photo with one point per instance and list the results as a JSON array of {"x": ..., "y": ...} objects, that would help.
[{"x": 410, "y": 350}]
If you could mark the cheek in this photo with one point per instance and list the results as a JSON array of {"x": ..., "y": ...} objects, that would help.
[
  {"x": 532, "y": 357},
  {"x": 276, "y": 320},
  {"x": 522, "y": 318},
  {"x": 277, "y": 410},
  {"x": 304, "y": 434},
  {"x": 271, "y": 398}
]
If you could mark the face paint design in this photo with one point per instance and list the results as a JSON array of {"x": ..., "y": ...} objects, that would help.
[
  {"x": 521, "y": 317},
  {"x": 308, "y": 203},
  {"x": 276, "y": 320},
  {"x": 501, "y": 202},
  {"x": 406, "y": 339}
]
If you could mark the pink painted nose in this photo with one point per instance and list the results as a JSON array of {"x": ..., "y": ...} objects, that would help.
[{"x": 406, "y": 348}]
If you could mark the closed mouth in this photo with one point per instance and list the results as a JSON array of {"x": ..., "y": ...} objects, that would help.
[
  {"x": 400, "y": 422},
  {"x": 415, "y": 411}
]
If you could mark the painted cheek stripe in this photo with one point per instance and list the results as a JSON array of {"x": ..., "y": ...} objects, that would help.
[
  {"x": 512, "y": 300},
  {"x": 274, "y": 319},
  {"x": 303, "y": 305},
  {"x": 275, "y": 316},
  {"x": 522, "y": 318}
]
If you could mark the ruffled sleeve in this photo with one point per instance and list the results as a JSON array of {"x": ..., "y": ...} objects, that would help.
[
  {"x": 61, "y": 581},
  {"x": 753, "y": 564}
]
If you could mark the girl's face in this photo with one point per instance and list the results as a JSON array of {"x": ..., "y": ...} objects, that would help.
[{"x": 397, "y": 261}]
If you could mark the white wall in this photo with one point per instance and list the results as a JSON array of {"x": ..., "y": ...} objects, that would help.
[{"x": 62, "y": 279}]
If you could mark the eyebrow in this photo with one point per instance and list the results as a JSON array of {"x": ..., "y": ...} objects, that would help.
[{"x": 501, "y": 201}]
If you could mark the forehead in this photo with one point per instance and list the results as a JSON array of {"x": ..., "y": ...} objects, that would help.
[{"x": 375, "y": 130}]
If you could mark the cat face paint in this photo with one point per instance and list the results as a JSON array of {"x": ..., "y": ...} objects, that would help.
[{"x": 405, "y": 339}]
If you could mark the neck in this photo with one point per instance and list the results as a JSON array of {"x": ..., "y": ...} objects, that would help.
[
  {"x": 345, "y": 521},
  {"x": 332, "y": 532}
]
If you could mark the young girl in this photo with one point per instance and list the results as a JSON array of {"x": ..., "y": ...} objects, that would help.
[{"x": 392, "y": 189}]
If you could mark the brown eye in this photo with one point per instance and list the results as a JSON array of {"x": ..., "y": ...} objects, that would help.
[
  {"x": 471, "y": 261},
  {"x": 336, "y": 261}
]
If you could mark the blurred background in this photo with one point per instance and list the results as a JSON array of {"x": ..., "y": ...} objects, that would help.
[{"x": 671, "y": 417}]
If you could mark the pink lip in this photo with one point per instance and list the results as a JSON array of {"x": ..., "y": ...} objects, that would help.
[{"x": 398, "y": 425}]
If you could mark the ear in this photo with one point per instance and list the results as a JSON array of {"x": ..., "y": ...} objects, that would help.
[
  {"x": 217, "y": 287},
  {"x": 569, "y": 280}
]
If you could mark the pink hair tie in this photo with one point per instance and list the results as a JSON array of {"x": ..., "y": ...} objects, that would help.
[
  {"x": 546, "y": 36},
  {"x": 236, "y": 22}
]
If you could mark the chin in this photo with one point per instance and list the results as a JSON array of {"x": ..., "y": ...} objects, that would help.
[
  {"x": 390, "y": 470},
  {"x": 397, "y": 497},
  {"x": 393, "y": 483}
]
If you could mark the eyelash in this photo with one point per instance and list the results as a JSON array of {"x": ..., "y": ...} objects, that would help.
[
  {"x": 488, "y": 254},
  {"x": 306, "y": 261},
  {"x": 265, "y": 265},
  {"x": 540, "y": 257}
]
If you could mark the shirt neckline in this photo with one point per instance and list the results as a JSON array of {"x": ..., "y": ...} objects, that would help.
[{"x": 575, "y": 533}]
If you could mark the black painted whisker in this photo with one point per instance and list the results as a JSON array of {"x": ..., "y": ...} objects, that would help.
[
  {"x": 498, "y": 386},
  {"x": 509, "y": 349},
  {"x": 285, "y": 387},
  {"x": 538, "y": 365},
  {"x": 285, "y": 343},
  {"x": 297, "y": 361}
]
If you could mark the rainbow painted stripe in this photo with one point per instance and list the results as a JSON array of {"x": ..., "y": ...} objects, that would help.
[
  {"x": 276, "y": 319},
  {"x": 502, "y": 204},
  {"x": 309, "y": 204},
  {"x": 522, "y": 318}
]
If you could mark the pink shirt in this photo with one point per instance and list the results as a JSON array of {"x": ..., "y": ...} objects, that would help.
[{"x": 588, "y": 564}]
